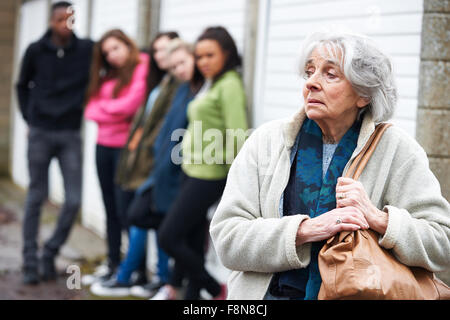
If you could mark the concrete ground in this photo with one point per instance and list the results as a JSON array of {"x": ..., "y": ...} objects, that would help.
[{"x": 83, "y": 249}]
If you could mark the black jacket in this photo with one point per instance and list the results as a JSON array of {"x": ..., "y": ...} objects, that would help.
[{"x": 52, "y": 83}]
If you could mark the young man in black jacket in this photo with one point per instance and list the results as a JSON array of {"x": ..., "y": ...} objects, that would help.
[{"x": 51, "y": 90}]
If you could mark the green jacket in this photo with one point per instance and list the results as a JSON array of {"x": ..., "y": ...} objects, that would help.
[
  {"x": 210, "y": 145},
  {"x": 135, "y": 166}
]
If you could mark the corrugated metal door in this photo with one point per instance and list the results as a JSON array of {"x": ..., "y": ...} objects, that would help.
[
  {"x": 33, "y": 23},
  {"x": 190, "y": 18},
  {"x": 395, "y": 25}
]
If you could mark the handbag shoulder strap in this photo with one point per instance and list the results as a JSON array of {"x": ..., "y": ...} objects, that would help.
[{"x": 358, "y": 165}]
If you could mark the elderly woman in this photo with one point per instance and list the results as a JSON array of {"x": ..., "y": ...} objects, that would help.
[{"x": 285, "y": 195}]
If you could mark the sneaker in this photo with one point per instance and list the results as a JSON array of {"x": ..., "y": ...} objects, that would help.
[
  {"x": 138, "y": 278},
  {"x": 165, "y": 293},
  {"x": 146, "y": 291},
  {"x": 110, "y": 288},
  {"x": 48, "y": 269},
  {"x": 30, "y": 276},
  {"x": 102, "y": 273}
]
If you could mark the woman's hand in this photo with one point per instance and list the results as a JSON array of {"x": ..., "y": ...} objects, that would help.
[
  {"x": 328, "y": 224},
  {"x": 350, "y": 193}
]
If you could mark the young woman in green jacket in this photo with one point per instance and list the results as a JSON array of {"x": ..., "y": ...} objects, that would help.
[{"x": 216, "y": 129}]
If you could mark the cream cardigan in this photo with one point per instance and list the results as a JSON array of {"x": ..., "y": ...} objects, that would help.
[{"x": 254, "y": 240}]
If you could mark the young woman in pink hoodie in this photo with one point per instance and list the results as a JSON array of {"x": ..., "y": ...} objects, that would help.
[{"x": 116, "y": 91}]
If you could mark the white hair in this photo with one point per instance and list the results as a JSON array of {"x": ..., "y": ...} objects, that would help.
[{"x": 368, "y": 69}]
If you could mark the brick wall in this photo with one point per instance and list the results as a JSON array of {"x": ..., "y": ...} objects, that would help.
[
  {"x": 8, "y": 14},
  {"x": 433, "y": 118}
]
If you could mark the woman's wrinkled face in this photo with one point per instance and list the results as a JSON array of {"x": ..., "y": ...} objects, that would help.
[
  {"x": 160, "y": 53},
  {"x": 182, "y": 64},
  {"x": 210, "y": 58},
  {"x": 327, "y": 93},
  {"x": 115, "y": 51}
]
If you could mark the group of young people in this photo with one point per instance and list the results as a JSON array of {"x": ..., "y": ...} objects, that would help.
[{"x": 165, "y": 121}]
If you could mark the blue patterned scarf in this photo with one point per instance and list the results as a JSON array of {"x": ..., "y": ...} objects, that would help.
[{"x": 308, "y": 193}]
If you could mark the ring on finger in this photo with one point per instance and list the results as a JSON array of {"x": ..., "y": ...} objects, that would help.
[
  {"x": 341, "y": 195},
  {"x": 338, "y": 220}
]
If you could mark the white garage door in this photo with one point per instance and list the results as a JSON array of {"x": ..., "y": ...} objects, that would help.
[
  {"x": 190, "y": 18},
  {"x": 33, "y": 23},
  {"x": 394, "y": 24},
  {"x": 111, "y": 14}
]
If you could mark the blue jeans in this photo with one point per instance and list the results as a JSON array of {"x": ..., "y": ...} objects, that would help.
[
  {"x": 43, "y": 146},
  {"x": 136, "y": 254}
]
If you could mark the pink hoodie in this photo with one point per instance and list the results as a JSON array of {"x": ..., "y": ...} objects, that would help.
[{"x": 114, "y": 115}]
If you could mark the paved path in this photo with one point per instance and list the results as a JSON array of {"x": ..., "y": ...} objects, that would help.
[{"x": 83, "y": 249}]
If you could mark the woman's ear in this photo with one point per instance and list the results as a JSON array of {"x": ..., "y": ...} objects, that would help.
[{"x": 362, "y": 102}]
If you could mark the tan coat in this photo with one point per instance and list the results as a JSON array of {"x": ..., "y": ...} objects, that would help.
[{"x": 254, "y": 241}]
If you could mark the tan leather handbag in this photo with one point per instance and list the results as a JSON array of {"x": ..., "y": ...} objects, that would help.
[{"x": 354, "y": 266}]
